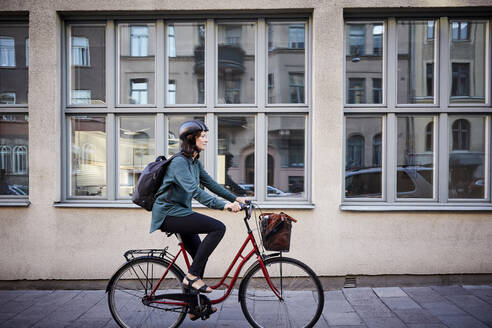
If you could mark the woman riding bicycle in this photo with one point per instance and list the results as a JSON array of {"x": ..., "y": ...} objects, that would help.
[{"x": 172, "y": 208}]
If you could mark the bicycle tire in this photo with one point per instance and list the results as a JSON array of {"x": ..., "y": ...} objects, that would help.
[
  {"x": 301, "y": 290},
  {"x": 136, "y": 279}
]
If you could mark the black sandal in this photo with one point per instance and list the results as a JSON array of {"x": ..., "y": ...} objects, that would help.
[
  {"x": 196, "y": 317},
  {"x": 189, "y": 285}
]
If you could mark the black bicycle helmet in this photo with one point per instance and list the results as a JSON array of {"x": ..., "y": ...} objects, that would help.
[{"x": 191, "y": 127}]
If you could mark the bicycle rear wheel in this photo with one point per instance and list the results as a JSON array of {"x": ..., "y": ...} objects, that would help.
[
  {"x": 135, "y": 280},
  {"x": 301, "y": 291}
]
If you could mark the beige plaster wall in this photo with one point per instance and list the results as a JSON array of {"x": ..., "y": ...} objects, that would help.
[{"x": 44, "y": 242}]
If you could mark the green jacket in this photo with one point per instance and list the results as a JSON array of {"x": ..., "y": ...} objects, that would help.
[{"x": 180, "y": 185}]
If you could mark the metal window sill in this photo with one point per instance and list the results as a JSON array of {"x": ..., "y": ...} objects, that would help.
[
  {"x": 415, "y": 207},
  {"x": 127, "y": 205},
  {"x": 14, "y": 203}
]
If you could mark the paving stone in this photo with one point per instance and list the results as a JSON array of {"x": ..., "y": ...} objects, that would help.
[
  {"x": 465, "y": 301},
  {"x": 454, "y": 321},
  {"x": 337, "y": 307},
  {"x": 443, "y": 308},
  {"x": 232, "y": 324},
  {"x": 334, "y": 295},
  {"x": 339, "y": 319},
  {"x": 358, "y": 326},
  {"x": 8, "y": 295},
  {"x": 482, "y": 313},
  {"x": 374, "y": 309},
  {"x": 321, "y": 323},
  {"x": 389, "y": 292},
  {"x": 400, "y": 303},
  {"x": 359, "y": 295},
  {"x": 416, "y": 316},
  {"x": 392, "y": 322},
  {"x": 427, "y": 325},
  {"x": 93, "y": 323},
  {"x": 423, "y": 294},
  {"x": 450, "y": 290}
]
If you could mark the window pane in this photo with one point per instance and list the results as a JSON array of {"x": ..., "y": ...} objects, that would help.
[
  {"x": 415, "y": 160},
  {"x": 13, "y": 65},
  {"x": 88, "y": 64},
  {"x": 286, "y": 154},
  {"x": 415, "y": 57},
  {"x": 364, "y": 62},
  {"x": 236, "y": 154},
  {"x": 363, "y": 165},
  {"x": 236, "y": 64},
  {"x": 14, "y": 163},
  {"x": 136, "y": 150},
  {"x": 286, "y": 63},
  {"x": 174, "y": 122},
  {"x": 137, "y": 64},
  {"x": 186, "y": 54},
  {"x": 467, "y": 71},
  {"x": 88, "y": 156},
  {"x": 466, "y": 156}
]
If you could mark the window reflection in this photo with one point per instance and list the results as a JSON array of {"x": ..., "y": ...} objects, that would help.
[
  {"x": 136, "y": 150},
  {"x": 137, "y": 63},
  {"x": 466, "y": 156},
  {"x": 88, "y": 156},
  {"x": 363, "y": 165},
  {"x": 13, "y": 64},
  {"x": 286, "y": 63},
  {"x": 14, "y": 164},
  {"x": 415, "y": 62},
  {"x": 364, "y": 62},
  {"x": 467, "y": 62},
  {"x": 236, "y": 63},
  {"x": 286, "y": 155},
  {"x": 236, "y": 146},
  {"x": 88, "y": 65},
  {"x": 186, "y": 55},
  {"x": 415, "y": 160}
]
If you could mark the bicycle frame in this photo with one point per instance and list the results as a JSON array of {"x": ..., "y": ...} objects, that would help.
[{"x": 245, "y": 258}]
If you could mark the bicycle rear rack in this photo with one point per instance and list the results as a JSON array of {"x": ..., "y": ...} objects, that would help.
[{"x": 154, "y": 252}]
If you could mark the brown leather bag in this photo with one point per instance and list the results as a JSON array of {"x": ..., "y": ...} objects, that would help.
[{"x": 275, "y": 231}]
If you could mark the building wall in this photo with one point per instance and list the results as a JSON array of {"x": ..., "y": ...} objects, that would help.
[{"x": 45, "y": 242}]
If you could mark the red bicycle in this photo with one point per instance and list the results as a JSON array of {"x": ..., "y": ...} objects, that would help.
[{"x": 276, "y": 291}]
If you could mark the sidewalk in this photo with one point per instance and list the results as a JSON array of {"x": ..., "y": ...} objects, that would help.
[{"x": 392, "y": 307}]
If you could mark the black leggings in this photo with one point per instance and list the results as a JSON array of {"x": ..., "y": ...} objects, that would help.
[{"x": 189, "y": 227}]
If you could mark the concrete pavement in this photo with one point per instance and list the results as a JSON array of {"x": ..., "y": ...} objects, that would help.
[{"x": 456, "y": 306}]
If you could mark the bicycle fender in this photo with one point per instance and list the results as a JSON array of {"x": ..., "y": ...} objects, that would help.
[
  {"x": 253, "y": 266},
  {"x": 113, "y": 277}
]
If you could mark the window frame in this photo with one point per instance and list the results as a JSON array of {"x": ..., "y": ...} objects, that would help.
[
  {"x": 16, "y": 109},
  {"x": 440, "y": 110},
  {"x": 210, "y": 109}
]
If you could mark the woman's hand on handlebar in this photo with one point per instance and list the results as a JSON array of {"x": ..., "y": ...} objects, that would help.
[
  {"x": 242, "y": 200},
  {"x": 233, "y": 207}
]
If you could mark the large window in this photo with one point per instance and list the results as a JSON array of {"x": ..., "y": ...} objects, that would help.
[
  {"x": 430, "y": 138},
  {"x": 157, "y": 74},
  {"x": 14, "y": 119}
]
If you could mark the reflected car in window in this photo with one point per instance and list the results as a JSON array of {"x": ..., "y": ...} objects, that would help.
[
  {"x": 272, "y": 191},
  {"x": 412, "y": 182}
]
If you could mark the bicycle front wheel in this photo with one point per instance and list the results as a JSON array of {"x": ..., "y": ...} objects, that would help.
[
  {"x": 302, "y": 297},
  {"x": 133, "y": 282}
]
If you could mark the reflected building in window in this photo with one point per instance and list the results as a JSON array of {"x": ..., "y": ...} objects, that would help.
[
  {"x": 364, "y": 63},
  {"x": 87, "y": 65},
  {"x": 13, "y": 64},
  {"x": 186, "y": 65},
  {"x": 137, "y": 63},
  {"x": 286, "y": 63},
  {"x": 14, "y": 164},
  {"x": 236, "y": 63}
]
